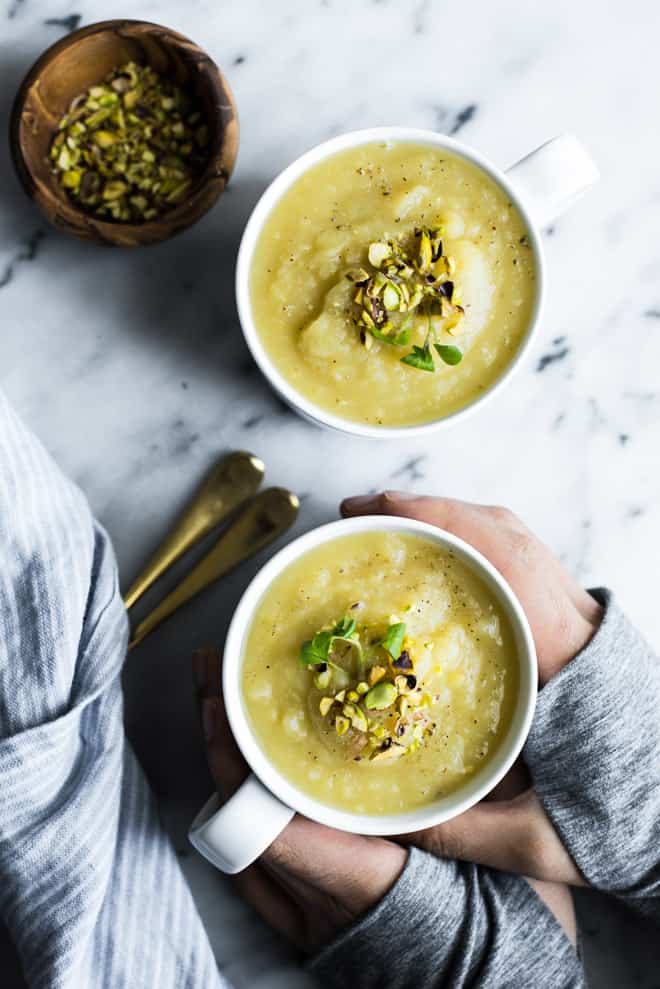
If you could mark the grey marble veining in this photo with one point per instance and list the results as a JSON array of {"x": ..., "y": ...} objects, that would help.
[{"x": 132, "y": 369}]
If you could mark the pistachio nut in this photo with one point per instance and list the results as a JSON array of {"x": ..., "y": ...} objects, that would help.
[
  {"x": 356, "y": 716},
  {"x": 405, "y": 683},
  {"x": 391, "y": 296},
  {"x": 379, "y": 252},
  {"x": 381, "y": 696},
  {"x": 322, "y": 679},
  {"x": 341, "y": 725},
  {"x": 387, "y": 752},
  {"x": 358, "y": 276},
  {"x": 424, "y": 251},
  {"x": 376, "y": 673}
]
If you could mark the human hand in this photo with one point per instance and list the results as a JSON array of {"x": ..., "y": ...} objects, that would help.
[
  {"x": 509, "y": 831},
  {"x": 562, "y": 615},
  {"x": 313, "y": 881}
]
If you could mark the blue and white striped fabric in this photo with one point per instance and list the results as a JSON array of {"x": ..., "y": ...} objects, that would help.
[{"x": 90, "y": 887}]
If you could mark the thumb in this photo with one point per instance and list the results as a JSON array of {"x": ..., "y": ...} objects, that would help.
[{"x": 510, "y": 835}]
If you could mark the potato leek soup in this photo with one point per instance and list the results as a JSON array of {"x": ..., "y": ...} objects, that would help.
[
  {"x": 393, "y": 283},
  {"x": 379, "y": 674}
]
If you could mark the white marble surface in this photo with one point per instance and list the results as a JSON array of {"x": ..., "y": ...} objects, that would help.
[{"x": 132, "y": 369}]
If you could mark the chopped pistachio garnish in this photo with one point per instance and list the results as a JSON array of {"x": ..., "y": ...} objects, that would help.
[
  {"x": 130, "y": 148},
  {"x": 359, "y": 276},
  {"x": 379, "y": 252},
  {"x": 374, "y": 708},
  {"x": 403, "y": 661},
  {"x": 405, "y": 282},
  {"x": 381, "y": 696},
  {"x": 405, "y": 684},
  {"x": 356, "y": 716},
  {"x": 366, "y": 339},
  {"x": 323, "y": 678},
  {"x": 376, "y": 673},
  {"x": 389, "y": 750}
]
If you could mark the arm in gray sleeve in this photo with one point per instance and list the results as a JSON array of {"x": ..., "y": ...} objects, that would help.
[
  {"x": 91, "y": 891},
  {"x": 594, "y": 754},
  {"x": 448, "y": 923}
]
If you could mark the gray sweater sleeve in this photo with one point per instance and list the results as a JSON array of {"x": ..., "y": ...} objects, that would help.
[
  {"x": 594, "y": 753},
  {"x": 452, "y": 924}
]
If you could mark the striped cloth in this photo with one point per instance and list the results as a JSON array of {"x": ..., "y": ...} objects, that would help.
[{"x": 90, "y": 887}]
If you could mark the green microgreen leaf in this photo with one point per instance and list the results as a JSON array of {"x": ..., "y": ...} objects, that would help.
[
  {"x": 315, "y": 651},
  {"x": 392, "y": 641},
  {"x": 421, "y": 358},
  {"x": 345, "y": 627},
  {"x": 450, "y": 355},
  {"x": 400, "y": 339}
]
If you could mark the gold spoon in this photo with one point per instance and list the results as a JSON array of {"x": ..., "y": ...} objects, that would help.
[
  {"x": 263, "y": 520},
  {"x": 230, "y": 483}
]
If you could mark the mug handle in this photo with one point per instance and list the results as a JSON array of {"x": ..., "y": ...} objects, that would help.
[
  {"x": 553, "y": 177},
  {"x": 234, "y": 834}
]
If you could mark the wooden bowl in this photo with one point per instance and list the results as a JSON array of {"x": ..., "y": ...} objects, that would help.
[{"x": 84, "y": 58}]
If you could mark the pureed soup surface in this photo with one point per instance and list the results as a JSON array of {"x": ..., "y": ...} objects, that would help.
[
  {"x": 305, "y": 275},
  {"x": 379, "y": 674}
]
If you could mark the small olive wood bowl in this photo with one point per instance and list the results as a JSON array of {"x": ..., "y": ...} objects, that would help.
[{"x": 84, "y": 58}]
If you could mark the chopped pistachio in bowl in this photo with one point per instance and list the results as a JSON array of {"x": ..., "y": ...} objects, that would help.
[
  {"x": 130, "y": 147},
  {"x": 105, "y": 137}
]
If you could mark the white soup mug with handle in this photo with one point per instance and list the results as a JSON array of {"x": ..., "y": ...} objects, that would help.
[{"x": 232, "y": 835}]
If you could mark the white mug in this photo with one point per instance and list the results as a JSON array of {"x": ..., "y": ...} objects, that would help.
[
  {"x": 233, "y": 835},
  {"x": 542, "y": 186}
]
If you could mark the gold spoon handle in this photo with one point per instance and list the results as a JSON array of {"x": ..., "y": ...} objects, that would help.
[
  {"x": 231, "y": 482},
  {"x": 263, "y": 520}
]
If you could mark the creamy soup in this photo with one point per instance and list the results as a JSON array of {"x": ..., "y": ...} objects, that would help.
[
  {"x": 352, "y": 236},
  {"x": 379, "y": 673}
]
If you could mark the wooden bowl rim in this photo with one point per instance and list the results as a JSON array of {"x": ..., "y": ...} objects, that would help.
[{"x": 44, "y": 196}]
